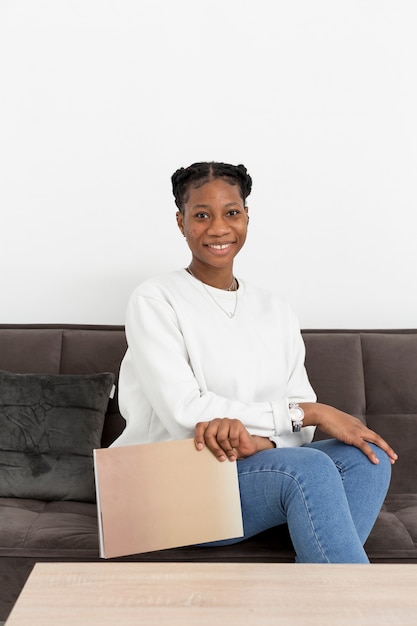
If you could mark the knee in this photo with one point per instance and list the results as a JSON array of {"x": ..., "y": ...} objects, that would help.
[
  {"x": 303, "y": 461},
  {"x": 314, "y": 465},
  {"x": 358, "y": 464}
]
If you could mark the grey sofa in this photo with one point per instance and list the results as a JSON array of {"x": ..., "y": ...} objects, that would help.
[{"x": 371, "y": 374}]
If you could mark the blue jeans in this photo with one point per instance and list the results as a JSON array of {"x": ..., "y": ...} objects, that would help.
[{"x": 327, "y": 492}]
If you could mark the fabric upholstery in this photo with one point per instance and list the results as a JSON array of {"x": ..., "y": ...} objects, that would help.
[
  {"x": 390, "y": 367},
  {"x": 334, "y": 367},
  {"x": 25, "y": 350},
  {"x": 86, "y": 351},
  {"x": 49, "y": 426}
]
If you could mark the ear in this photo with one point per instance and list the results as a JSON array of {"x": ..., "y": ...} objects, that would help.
[
  {"x": 180, "y": 221},
  {"x": 247, "y": 212}
]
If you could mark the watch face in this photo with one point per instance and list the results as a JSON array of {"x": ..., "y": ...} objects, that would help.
[{"x": 296, "y": 413}]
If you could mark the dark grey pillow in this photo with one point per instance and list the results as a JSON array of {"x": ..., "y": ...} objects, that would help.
[{"x": 49, "y": 426}]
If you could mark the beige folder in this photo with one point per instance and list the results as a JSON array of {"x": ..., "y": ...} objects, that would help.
[{"x": 164, "y": 495}]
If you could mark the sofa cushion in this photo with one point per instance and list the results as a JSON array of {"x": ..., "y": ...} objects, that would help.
[
  {"x": 49, "y": 426},
  {"x": 50, "y": 529},
  {"x": 394, "y": 536},
  {"x": 68, "y": 530}
]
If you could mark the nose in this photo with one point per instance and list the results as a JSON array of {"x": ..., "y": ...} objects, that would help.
[{"x": 218, "y": 226}]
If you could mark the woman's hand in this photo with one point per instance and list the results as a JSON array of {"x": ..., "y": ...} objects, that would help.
[
  {"x": 228, "y": 439},
  {"x": 346, "y": 428}
]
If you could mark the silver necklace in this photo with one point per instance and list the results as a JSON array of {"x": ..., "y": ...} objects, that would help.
[{"x": 234, "y": 282}]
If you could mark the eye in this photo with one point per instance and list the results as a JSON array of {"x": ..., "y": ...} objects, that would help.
[
  {"x": 233, "y": 212},
  {"x": 201, "y": 215}
]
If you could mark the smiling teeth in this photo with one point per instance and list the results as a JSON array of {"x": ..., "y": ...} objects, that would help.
[{"x": 219, "y": 246}]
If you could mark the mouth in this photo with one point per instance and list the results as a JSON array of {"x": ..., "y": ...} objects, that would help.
[{"x": 219, "y": 246}]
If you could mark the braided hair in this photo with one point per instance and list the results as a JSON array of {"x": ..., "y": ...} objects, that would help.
[{"x": 198, "y": 174}]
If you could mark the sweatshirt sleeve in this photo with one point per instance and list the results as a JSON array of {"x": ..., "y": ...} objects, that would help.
[{"x": 298, "y": 389}]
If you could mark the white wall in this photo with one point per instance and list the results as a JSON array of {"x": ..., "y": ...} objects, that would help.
[{"x": 101, "y": 100}]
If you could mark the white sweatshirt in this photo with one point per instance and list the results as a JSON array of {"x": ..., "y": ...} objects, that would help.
[{"x": 188, "y": 361}]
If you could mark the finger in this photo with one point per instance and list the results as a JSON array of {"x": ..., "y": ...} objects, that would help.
[
  {"x": 199, "y": 435},
  {"x": 393, "y": 456},
  {"x": 367, "y": 450},
  {"x": 361, "y": 443},
  {"x": 236, "y": 430},
  {"x": 372, "y": 456},
  {"x": 206, "y": 434},
  {"x": 226, "y": 439},
  {"x": 211, "y": 439},
  {"x": 229, "y": 437},
  {"x": 381, "y": 443}
]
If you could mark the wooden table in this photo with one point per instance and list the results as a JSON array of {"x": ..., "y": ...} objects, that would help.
[{"x": 200, "y": 594}]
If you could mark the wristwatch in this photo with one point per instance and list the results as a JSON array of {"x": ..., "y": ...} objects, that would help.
[{"x": 297, "y": 416}]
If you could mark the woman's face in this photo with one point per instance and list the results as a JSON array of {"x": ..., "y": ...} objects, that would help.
[{"x": 214, "y": 221}]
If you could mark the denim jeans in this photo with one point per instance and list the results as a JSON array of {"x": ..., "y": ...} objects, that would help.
[{"x": 327, "y": 492}]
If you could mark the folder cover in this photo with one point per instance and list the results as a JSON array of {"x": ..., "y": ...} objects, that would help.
[{"x": 164, "y": 495}]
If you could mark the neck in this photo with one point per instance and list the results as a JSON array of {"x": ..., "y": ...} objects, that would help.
[{"x": 220, "y": 279}]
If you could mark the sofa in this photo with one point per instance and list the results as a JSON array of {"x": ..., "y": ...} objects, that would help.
[{"x": 371, "y": 374}]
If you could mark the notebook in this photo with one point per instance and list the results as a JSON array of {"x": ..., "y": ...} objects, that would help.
[{"x": 164, "y": 495}]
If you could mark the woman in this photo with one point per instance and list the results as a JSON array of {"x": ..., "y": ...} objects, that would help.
[{"x": 218, "y": 359}]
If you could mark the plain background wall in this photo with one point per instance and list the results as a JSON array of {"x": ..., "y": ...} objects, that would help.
[{"x": 101, "y": 100}]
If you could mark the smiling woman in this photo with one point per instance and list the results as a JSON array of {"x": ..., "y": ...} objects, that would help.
[
  {"x": 213, "y": 357},
  {"x": 213, "y": 218}
]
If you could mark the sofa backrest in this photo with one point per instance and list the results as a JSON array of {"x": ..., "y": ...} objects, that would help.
[
  {"x": 370, "y": 374},
  {"x": 71, "y": 349}
]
